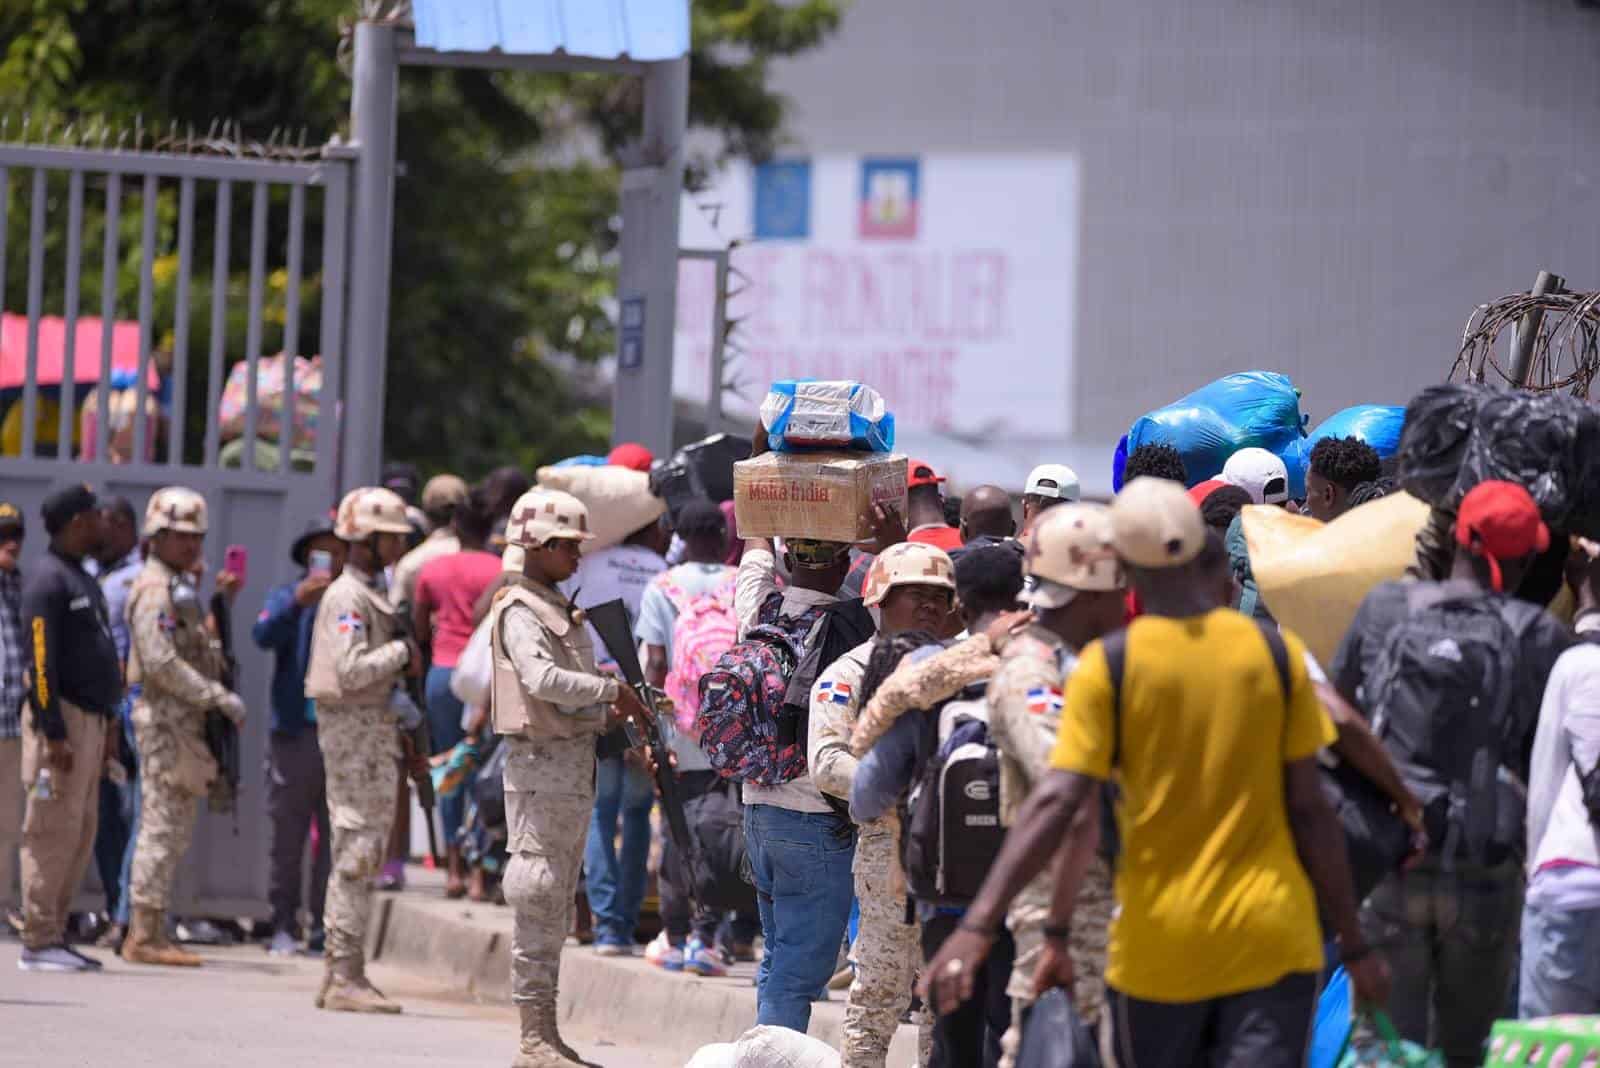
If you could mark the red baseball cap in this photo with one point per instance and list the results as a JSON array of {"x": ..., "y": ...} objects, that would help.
[
  {"x": 921, "y": 473},
  {"x": 1199, "y": 493},
  {"x": 633, "y": 455},
  {"x": 1500, "y": 521}
]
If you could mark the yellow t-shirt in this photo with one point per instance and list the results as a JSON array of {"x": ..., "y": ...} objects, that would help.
[{"x": 1213, "y": 899}]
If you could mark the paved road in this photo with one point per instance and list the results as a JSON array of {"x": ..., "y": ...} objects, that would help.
[{"x": 247, "y": 1010}]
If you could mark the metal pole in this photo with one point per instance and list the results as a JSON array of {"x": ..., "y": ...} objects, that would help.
[
  {"x": 648, "y": 276},
  {"x": 373, "y": 108},
  {"x": 1528, "y": 329}
]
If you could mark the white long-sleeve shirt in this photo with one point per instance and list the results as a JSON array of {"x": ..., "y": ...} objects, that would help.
[{"x": 1563, "y": 846}]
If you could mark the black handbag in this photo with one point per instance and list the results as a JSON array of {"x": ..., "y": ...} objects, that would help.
[{"x": 1375, "y": 836}]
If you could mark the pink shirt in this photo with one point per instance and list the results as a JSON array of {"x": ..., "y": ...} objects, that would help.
[{"x": 450, "y": 585}]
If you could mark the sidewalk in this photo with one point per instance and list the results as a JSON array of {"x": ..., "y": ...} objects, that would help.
[{"x": 466, "y": 947}]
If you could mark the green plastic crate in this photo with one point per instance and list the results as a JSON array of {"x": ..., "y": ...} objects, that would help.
[{"x": 1550, "y": 1042}]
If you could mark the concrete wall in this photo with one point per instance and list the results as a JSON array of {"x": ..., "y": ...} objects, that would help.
[{"x": 1321, "y": 188}]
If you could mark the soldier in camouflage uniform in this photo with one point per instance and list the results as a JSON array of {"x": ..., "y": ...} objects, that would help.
[
  {"x": 174, "y": 662},
  {"x": 549, "y": 703},
  {"x": 913, "y": 585},
  {"x": 356, "y": 665},
  {"x": 1076, "y": 597}
]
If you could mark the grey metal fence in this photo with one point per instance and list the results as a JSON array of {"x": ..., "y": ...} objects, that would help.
[{"x": 216, "y": 262}]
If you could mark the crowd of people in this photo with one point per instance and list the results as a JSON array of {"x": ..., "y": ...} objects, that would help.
[{"x": 968, "y": 762}]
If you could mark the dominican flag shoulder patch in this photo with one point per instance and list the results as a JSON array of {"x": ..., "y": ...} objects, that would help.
[
  {"x": 1044, "y": 699},
  {"x": 838, "y": 693},
  {"x": 350, "y": 623}
]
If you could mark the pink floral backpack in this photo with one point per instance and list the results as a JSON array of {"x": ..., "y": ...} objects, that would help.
[{"x": 705, "y": 629}]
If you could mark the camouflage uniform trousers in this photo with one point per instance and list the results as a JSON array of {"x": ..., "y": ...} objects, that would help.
[
  {"x": 360, "y": 748},
  {"x": 549, "y": 798},
  {"x": 169, "y": 801},
  {"x": 886, "y": 952},
  {"x": 1091, "y": 919}
]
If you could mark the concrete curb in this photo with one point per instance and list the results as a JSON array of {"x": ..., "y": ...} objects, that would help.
[{"x": 467, "y": 947}]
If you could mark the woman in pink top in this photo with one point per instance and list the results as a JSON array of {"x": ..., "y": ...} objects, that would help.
[{"x": 447, "y": 588}]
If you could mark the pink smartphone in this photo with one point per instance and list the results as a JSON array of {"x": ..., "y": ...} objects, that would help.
[{"x": 236, "y": 561}]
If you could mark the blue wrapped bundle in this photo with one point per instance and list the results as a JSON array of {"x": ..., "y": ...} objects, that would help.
[
  {"x": 1378, "y": 425},
  {"x": 803, "y": 414},
  {"x": 581, "y": 460},
  {"x": 1260, "y": 408}
]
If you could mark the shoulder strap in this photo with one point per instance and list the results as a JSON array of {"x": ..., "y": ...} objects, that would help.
[
  {"x": 1280, "y": 658},
  {"x": 1115, "y": 647}
]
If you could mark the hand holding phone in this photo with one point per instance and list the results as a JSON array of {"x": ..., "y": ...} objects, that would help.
[
  {"x": 236, "y": 562},
  {"x": 319, "y": 564}
]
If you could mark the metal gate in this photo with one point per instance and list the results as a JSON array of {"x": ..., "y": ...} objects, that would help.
[{"x": 182, "y": 247}]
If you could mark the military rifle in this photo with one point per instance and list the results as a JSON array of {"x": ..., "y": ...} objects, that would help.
[
  {"x": 222, "y": 734},
  {"x": 416, "y": 740},
  {"x": 611, "y": 623}
]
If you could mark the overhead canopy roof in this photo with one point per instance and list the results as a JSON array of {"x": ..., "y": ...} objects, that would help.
[{"x": 641, "y": 30}]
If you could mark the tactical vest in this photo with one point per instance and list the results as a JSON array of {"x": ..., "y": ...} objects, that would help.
[
  {"x": 322, "y": 676},
  {"x": 183, "y": 616},
  {"x": 512, "y": 709}
]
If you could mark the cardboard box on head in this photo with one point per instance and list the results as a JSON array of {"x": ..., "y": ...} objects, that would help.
[{"x": 824, "y": 495}]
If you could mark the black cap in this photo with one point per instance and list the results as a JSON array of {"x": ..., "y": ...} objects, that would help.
[
  {"x": 65, "y": 505},
  {"x": 11, "y": 524},
  {"x": 322, "y": 524}
]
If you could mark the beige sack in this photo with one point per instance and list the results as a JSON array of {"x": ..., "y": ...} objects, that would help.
[
  {"x": 1313, "y": 576},
  {"x": 618, "y": 498}
]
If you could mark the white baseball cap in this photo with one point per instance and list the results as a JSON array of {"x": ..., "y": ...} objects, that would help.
[
  {"x": 1053, "y": 480},
  {"x": 1260, "y": 474}
]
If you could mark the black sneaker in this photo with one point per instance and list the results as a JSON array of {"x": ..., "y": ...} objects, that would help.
[{"x": 89, "y": 961}]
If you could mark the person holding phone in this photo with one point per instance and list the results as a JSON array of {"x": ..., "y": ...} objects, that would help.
[{"x": 297, "y": 791}]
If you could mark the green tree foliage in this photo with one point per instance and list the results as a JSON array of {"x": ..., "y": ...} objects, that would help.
[{"x": 504, "y": 250}]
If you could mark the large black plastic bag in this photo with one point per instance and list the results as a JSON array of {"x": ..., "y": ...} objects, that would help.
[
  {"x": 1544, "y": 442},
  {"x": 1056, "y": 1037},
  {"x": 1438, "y": 426}
]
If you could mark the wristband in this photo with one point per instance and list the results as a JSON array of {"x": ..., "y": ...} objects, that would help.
[{"x": 1058, "y": 932}]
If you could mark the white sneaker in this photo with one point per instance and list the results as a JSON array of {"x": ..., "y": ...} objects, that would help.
[
  {"x": 663, "y": 954},
  {"x": 283, "y": 945},
  {"x": 51, "y": 959},
  {"x": 612, "y": 949}
]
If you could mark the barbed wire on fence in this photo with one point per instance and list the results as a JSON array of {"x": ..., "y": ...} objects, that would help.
[
  {"x": 1566, "y": 348},
  {"x": 222, "y": 137}
]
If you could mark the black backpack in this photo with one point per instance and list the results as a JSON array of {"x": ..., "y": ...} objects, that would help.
[
  {"x": 952, "y": 831},
  {"x": 1440, "y": 695}
]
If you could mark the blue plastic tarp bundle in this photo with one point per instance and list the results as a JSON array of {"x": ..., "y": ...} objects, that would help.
[
  {"x": 1260, "y": 408},
  {"x": 581, "y": 461},
  {"x": 803, "y": 414},
  {"x": 1378, "y": 425}
]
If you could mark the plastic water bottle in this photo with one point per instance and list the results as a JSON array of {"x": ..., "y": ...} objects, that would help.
[{"x": 44, "y": 787}]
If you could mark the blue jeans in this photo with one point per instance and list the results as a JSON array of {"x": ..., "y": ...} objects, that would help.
[
  {"x": 804, "y": 889},
  {"x": 444, "y": 729},
  {"x": 1560, "y": 962},
  {"x": 615, "y": 884},
  {"x": 135, "y": 797}
]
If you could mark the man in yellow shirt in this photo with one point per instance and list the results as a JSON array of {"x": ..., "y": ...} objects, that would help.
[{"x": 1212, "y": 728}]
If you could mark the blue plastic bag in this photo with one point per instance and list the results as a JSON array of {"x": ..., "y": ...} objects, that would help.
[
  {"x": 581, "y": 461},
  {"x": 1378, "y": 425},
  {"x": 805, "y": 414},
  {"x": 1260, "y": 408},
  {"x": 1331, "y": 1028}
]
